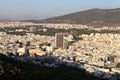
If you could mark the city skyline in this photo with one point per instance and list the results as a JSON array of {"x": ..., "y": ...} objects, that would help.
[{"x": 40, "y": 9}]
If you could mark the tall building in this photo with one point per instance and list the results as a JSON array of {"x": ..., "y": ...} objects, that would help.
[{"x": 59, "y": 40}]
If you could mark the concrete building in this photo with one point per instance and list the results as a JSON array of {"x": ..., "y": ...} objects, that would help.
[{"x": 59, "y": 40}]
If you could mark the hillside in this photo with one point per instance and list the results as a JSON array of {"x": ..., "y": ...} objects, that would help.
[
  {"x": 15, "y": 70},
  {"x": 94, "y": 17}
]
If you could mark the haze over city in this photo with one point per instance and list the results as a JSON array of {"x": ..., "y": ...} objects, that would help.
[{"x": 41, "y": 9}]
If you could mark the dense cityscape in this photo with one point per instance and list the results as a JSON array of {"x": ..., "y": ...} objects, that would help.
[
  {"x": 50, "y": 45},
  {"x": 59, "y": 40}
]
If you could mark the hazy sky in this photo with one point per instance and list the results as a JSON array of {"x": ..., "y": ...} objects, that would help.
[{"x": 37, "y": 9}]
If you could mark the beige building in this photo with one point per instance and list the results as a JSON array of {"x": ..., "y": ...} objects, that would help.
[
  {"x": 38, "y": 52},
  {"x": 32, "y": 29}
]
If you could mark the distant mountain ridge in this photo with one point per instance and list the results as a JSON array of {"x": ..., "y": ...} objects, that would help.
[
  {"x": 94, "y": 17},
  {"x": 5, "y": 20}
]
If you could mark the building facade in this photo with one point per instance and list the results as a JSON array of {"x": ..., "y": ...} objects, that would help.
[{"x": 59, "y": 40}]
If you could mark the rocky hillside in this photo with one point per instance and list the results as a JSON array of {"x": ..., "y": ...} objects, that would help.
[{"x": 15, "y": 70}]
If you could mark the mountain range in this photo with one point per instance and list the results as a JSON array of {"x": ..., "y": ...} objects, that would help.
[
  {"x": 5, "y": 20},
  {"x": 94, "y": 17}
]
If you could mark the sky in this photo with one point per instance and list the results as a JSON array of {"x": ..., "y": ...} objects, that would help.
[{"x": 40, "y": 9}]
